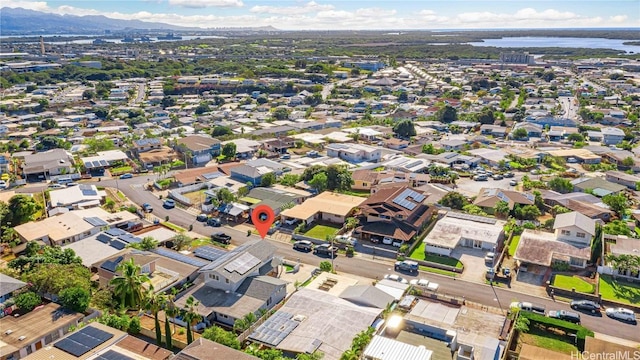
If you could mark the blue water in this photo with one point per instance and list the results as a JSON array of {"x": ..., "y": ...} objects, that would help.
[{"x": 565, "y": 42}]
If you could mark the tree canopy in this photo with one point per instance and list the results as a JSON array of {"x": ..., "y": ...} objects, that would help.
[
  {"x": 405, "y": 129},
  {"x": 454, "y": 200}
]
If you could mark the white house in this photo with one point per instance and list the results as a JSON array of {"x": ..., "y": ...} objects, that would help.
[
  {"x": 574, "y": 227},
  {"x": 612, "y": 136},
  {"x": 354, "y": 153},
  {"x": 457, "y": 229}
]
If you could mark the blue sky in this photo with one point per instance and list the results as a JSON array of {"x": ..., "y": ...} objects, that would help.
[{"x": 357, "y": 14}]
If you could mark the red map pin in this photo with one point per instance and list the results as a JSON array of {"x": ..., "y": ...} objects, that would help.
[{"x": 262, "y": 217}]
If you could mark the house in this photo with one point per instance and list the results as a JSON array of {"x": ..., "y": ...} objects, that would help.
[
  {"x": 598, "y": 186},
  {"x": 574, "y": 227},
  {"x": 407, "y": 164},
  {"x": 354, "y": 153},
  {"x": 371, "y": 179},
  {"x": 488, "y": 198},
  {"x": 200, "y": 147},
  {"x": 328, "y": 207},
  {"x": 48, "y": 163},
  {"x": 203, "y": 349},
  {"x": 621, "y": 178},
  {"x": 103, "y": 159},
  {"x": 8, "y": 286},
  {"x": 245, "y": 148},
  {"x": 586, "y": 204},
  {"x": 612, "y": 136},
  {"x": 398, "y": 213},
  {"x": 247, "y": 173},
  {"x": 383, "y": 348},
  {"x": 26, "y": 334},
  {"x": 236, "y": 284},
  {"x": 533, "y": 130},
  {"x": 457, "y": 229},
  {"x": 146, "y": 144},
  {"x": 453, "y": 144},
  {"x": 274, "y": 198},
  {"x": 77, "y": 197},
  {"x": 619, "y": 245},
  {"x": 582, "y": 156},
  {"x": 72, "y": 226},
  {"x": 491, "y": 157},
  {"x": 279, "y": 145},
  {"x": 5, "y": 160}
]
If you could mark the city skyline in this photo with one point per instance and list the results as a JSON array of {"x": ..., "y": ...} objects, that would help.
[{"x": 356, "y": 15}]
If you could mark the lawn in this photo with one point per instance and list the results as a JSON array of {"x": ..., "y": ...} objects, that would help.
[
  {"x": 513, "y": 245},
  {"x": 572, "y": 282},
  {"x": 548, "y": 341},
  {"x": 173, "y": 227},
  {"x": 200, "y": 242},
  {"x": 121, "y": 170},
  {"x": 621, "y": 291},
  {"x": 322, "y": 231},
  {"x": 360, "y": 193},
  {"x": 418, "y": 254},
  {"x": 121, "y": 196},
  {"x": 438, "y": 271}
]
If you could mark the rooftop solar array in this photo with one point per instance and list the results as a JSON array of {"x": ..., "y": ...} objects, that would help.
[
  {"x": 480, "y": 219},
  {"x": 83, "y": 341},
  {"x": 275, "y": 329},
  {"x": 208, "y": 252},
  {"x": 95, "y": 164},
  {"x": 88, "y": 190},
  {"x": 113, "y": 355},
  {"x": 180, "y": 257},
  {"x": 111, "y": 265},
  {"x": 117, "y": 239},
  {"x": 242, "y": 264},
  {"x": 115, "y": 232},
  {"x": 96, "y": 221},
  {"x": 403, "y": 199},
  {"x": 229, "y": 255},
  {"x": 213, "y": 175}
]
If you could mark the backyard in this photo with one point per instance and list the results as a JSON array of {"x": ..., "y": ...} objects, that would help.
[
  {"x": 621, "y": 291},
  {"x": 321, "y": 232},
  {"x": 513, "y": 245},
  {"x": 548, "y": 340},
  {"x": 573, "y": 282}
]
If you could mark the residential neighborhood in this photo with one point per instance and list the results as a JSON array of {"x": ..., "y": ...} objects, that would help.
[{"x": 416, "y": 207}]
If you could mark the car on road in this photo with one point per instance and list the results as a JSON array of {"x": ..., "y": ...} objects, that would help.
[
  {"x": 55, "y": 186},
  {"x": 345, "y": 239},
  {"x": 285, "y": 157},
  {"x": 622, "y": 314},
  {"x": 202, "y": 217},
  {"x": 585, "y": 305},
  {"x": 169, "y": 204},
  {"x": 527, "y": 306},
  {"x": 394, "y": 277},
  {"x": 325, "y": 249},
  {"x": 126, "y": 176},
  {"x": 565, "y": 315},
  {"x": 215, "y": 222},
  {"x": 221, "y": 238},
  {"x": 147, "y": 207},
  {"x": 406, "y": 266},
  {"x": 419, "y": 282},
  {"x": 304, "y": 245}
]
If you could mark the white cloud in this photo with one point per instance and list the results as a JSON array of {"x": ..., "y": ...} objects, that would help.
[
  {"x": 309, "y": 7},
  {"x": 200, "y": 4},
  {"x": 619, "y": 18},
  {"x": 30, "y": 5}
]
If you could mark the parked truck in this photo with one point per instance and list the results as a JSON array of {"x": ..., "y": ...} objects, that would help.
[{"x": 527, "y": 306}]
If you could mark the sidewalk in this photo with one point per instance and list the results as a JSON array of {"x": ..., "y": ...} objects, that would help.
[{"x": 616, "y": 340}]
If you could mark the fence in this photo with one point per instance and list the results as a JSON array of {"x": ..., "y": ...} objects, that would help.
[{"x": 177, "y": 193}]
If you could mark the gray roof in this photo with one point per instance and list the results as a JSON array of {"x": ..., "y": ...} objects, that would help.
[
  {"x": 261, "y": 250},
  {"x": 9, "y": 284},
  {"x": 598, "y": 185},
  {"x": 367, "y": 295},
  {"x": 574, "y": 218},
  {"x": 260, "y": 287}
]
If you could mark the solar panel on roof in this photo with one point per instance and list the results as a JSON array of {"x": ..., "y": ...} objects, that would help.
[
  {"x": 104, "y": 163},
  {"x": 113, "y": 355},
  {"x": 115, "y": 232},
  {"x": 208, "y": 252},
  {"x": 83, "y": 341},
  {"x": 88, "y": 165},
  {"x": 103, "y": 238},
  {"x": 96, "y": 163},
  {"x": 95, "y": 221},
  {"x": 118, "y": 245},
  {"x": 180, "y": 257}
]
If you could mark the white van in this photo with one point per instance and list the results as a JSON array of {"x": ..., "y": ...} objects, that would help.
[{"x": 65, "y": 180}]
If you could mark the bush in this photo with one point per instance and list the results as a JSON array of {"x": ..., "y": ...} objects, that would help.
[
  {"x": 134, "y": 325},
  {"x": 115, "y": 321},
  {"x": 551, "y": 323},
  {"x": 75, "y": 298},
  {"x": 560, "y": 266},
  {"x": 27, "y": 301},
  {"x": 326, "y": 266}
]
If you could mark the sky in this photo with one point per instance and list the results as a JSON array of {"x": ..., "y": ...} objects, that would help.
[{"x": 357, "y": 14}]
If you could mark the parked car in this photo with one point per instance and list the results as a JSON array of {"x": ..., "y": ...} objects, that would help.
[
  {"x": 345, "y": 239},
  {"x": 394, "y": 277},
  {"x": 126, "y": 176},
  {"x": 285, "y": 157},
  {"x": 291, "y": 221},
  {"x": 304, "y": 245},
  {"x": 169, "y": 204},
  {"x": 527, "y": 306},
  {"x": 3, "y": 185},
  {"x": 72, "y": 184},
  {"x": 325, "y": 249},
  {"x": 147, "y": 207},
  {"x": 55, "y": 186},
  {"x": 202, "y": 217},
  {"x": 489, "y": 257},
  {"x": 387, "y": 240},
  {"x": 509, "y": 175},
  {"x": 498, "y": 177},
  {"x": 221, "y": 238},
  {"x": 585, "y": 305},
  {"x": 622, "y": 314},
  {"x": 397, "y": 243},
  {"x": 481, "y": 177},
  {"x": 406, "y": 266},
  {"x": 565, "y": 315},
  {"x": 215, "y": 222},
  {"x": 513, "y": 183},
  {"x": 419, "y": 282}
]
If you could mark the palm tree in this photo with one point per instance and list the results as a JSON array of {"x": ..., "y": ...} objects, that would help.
[
  {"x": 240, "y": 325},
  {"x": 154, "y": 302},
  {"x": 191, "y": 316},
  {"x": 129, "y": 286},
  {"x": 250, "y": 319},
  {"x": 350, "y": 354}
]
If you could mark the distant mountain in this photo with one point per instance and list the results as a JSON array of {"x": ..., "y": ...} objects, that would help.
[{"x": 23, "y": 21}]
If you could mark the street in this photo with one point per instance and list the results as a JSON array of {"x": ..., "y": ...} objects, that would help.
[{"x": 363, "y": 264}]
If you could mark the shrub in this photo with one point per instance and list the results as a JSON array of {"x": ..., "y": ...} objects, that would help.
[
  {"x": 560, "y": 266},
  {"x": 27, "y": 301},
  {"x": 134, "y": 325},
  {"x": 326, "y": 266},
  {"x": 75, "y": 298}
]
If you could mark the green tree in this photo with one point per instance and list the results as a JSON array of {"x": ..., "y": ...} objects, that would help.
[
  {"x": 154, "y": 302},
  {"x": 147, "y": 243},
  {"x": 405, "y": 129},
  {"x": 319, "y": 182},
  {"x": 575, "y": 137},
  {"x": 561, "y": 185},
  {"x": 180, "y": 241},
  {"x": 473, "y": 210},
  {"x": 191, "y": 316},
  {"x": 616, "y": 202},
  {"x": 268, "y": 179},
  {"x": 520, "y": 134},
  {"x": 454, "y": 200},
  {"x": 221, "y": 131},
  {"x": 21, "y": 209},
  {"x": 289, "y": 179},
  {"x": 221, "y": 336},
  {"x": 338, "y": 178},
  {"x": 326, "y": 266},
  {"x": 529, "y": 212},
  {"x": 27, "y": 301},
  {"x": 44, "y": 256},
  {"x": 281, "y": 113},
  {"x": 229, "y": 150},
  {"x": 617, "y": 227},
  {"x": 502, "y": 208},
  {"x": 596, "y": 245},
  {"x": 49, "y": 124},
  {"x": 53, "y": 278},
  {"x": 95, "y": 145},
  {"x": 75, "y": 298},
  {"x": 225, "y": 196},
  {"x": 486, "y": 116},
  {"x": 351, "y": 223},
  {"x": 128, "y": 287},
  {"x": 447, "y": 114},
  {"x": 628, "y": 161}
]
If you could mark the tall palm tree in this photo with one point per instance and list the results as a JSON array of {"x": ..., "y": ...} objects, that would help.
[
  {"x": 191, "y": 316},
  {"x": 129, "y": 286},
  {"x": 154, "y": 302}
]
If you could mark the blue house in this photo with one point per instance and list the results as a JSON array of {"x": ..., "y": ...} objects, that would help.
[{"x": 202, "y": 148}]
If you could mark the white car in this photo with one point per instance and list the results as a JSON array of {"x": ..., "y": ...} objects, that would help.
[
  {"x": 394, "y": 277},
  {"x": 3, "y": 184},
  {"x": 419, "y": 282},
  {"x": 387, "y": 240},
  {"x": 621, "y": 314},
  {"x": 344, "y": 239}
]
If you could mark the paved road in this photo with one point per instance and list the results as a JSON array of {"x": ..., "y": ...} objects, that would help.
[{"x": 366, "y": 266}]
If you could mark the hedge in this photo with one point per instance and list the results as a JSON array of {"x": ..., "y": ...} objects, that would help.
[{"x": 580, "y": 331}]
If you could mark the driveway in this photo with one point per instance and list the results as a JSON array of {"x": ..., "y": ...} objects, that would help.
[{"x": 473, "y": 261}]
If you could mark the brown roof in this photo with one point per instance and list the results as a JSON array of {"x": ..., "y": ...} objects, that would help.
[
  {"x": 539, "y": 248},
  {"x": 364, "y": 175},
  {"x": 381, "y": 203},
  {"x": 197, "y": 142},
  {"x": 190, "y": 176},
  {"x": 203, "y": 349},
  {"x": 144, "y": 348},
  {"x": 158, "y": 155}
]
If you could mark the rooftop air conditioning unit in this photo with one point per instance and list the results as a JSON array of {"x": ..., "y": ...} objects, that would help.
[
  {"x": 8, "y": 332},
  {"x": 22, "y": 338}
]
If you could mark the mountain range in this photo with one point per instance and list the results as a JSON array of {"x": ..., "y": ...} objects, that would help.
[{"x": 14, "y": 21}]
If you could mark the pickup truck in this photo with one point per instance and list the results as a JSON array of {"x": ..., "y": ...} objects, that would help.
[{"x": 527, "y": 306}]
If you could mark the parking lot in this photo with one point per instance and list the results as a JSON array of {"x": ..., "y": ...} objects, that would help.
[{"x": 470, "y": 187}]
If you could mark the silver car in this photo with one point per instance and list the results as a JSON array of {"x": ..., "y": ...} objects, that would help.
[{"x": 622, "y": 314}]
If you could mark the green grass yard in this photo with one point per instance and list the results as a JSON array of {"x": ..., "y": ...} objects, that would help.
[
  {"x": 418, "y": 254},
  {"x": 548, "y": 341},
  {"x": 572, "y": 282},
  {"x": 513, "y": 245},
  {"x": 621, "y": 291},
  {"x": 121, "y": 170},
  {"x": 321, "y": 231},
  {"x": 173, "y": 227}
]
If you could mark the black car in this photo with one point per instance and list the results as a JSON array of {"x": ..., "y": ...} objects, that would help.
[
  {"x": 221, "y": 238},
  {"x": 201, "y": 217},
  {"x": 585, "y": 305},
  {"x": 215, "y": 222}
]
